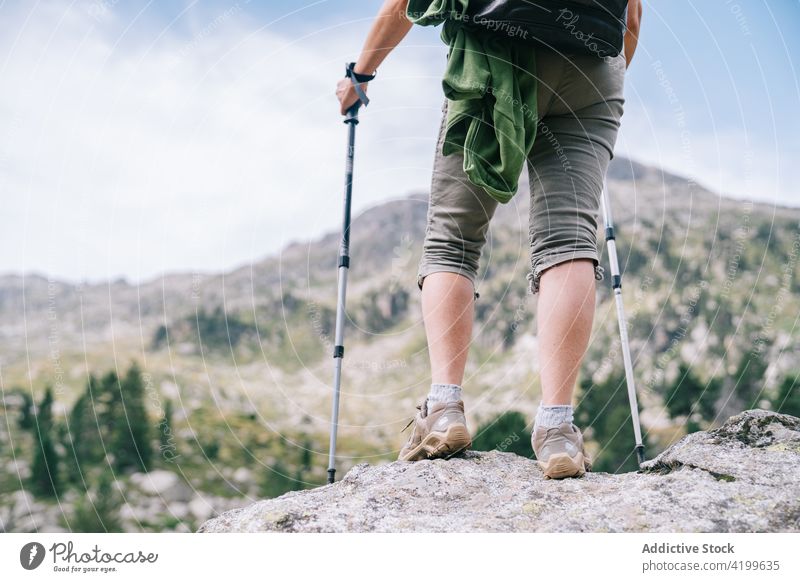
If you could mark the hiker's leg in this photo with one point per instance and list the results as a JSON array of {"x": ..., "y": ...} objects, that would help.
[
  {"x": 458, "y": 222},
  {"x": 457, "y": 227},
  {"x": 571, "y": 154},
  {"x": 565, "y": 312},
  {"x": 447, "y": 310}
]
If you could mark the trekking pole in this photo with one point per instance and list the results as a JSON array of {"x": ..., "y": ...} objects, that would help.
[
  {"x": 616, "y": 281},
  {"x": 351, "y": 120}
]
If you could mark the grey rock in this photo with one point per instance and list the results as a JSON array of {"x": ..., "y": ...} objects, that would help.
[
  {"x": 26, "y": 524},
  {"x": 179, "y": 510},
  {"x": 19, "y": 511},
  {"x": 22, "y": 503},
  {"x": 127, "y": 512},
  {"x": 162, "y": 484},
  {"x": 201, "y": 508},
  {"x": 741, "y": 477},
  {"x": 242, "y": 475}
]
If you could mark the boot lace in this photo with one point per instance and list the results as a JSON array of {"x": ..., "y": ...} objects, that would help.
[{"x": 423, "y": 412}]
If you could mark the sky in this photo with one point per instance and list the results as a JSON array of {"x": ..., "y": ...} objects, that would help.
[{"x": 138, "y": 138}]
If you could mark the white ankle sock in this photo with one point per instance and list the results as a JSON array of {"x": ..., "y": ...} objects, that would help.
[
  {"x": 553, "y": 416},
  {"x": 444, "y": 393}
]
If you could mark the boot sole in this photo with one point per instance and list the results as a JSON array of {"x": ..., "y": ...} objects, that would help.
[
  {"x": 562, "y": 466},
  {"x": 441, "y": 445}
]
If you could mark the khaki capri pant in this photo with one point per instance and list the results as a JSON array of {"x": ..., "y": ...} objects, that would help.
[{"x": 580, "y": 102}]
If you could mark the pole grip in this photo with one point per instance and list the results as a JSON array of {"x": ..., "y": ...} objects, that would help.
[{"x": 351, "y": 116}]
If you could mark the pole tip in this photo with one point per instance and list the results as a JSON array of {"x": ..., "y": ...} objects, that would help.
[
  {"x": 640, "y": 454},
  {"x": 331, "y": 476}
]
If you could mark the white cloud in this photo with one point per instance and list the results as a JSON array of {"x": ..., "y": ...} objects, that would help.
[
  {"x": 196, "y": 153},
  {"x": 134, "y": 147}
]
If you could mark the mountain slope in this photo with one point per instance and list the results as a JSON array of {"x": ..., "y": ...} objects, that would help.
[{"x": 710, "y": 283}]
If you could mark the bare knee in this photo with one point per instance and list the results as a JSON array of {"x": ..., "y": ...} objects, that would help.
[{"x": 574, "y": 274}]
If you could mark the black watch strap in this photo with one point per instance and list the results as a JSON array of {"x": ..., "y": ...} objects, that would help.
[{"x": 357, "y": 79}]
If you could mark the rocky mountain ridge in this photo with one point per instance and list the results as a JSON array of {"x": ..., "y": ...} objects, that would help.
[{"x": 741, "y": 477}]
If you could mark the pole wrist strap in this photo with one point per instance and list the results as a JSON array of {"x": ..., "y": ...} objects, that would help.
[{"x": 357, "y": 79}]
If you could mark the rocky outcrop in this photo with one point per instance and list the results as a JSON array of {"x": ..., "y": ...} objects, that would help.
[{"x": 743, "y": 476}]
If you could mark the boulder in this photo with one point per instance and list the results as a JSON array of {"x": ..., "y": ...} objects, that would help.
[
  {"x": 163, "y": 484},
  {"x": 741, "y": 477}
]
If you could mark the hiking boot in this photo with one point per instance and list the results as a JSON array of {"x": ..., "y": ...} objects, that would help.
[
  {"x": 439, "y": 432},
  {"x": 559, "y": 451}
]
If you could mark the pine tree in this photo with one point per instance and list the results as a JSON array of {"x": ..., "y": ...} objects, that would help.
[
  {"x": 45, "y": 468},
  {"x": 131, "y": 436},
  {"x": 604, "y": 412},
  {"x": 680, "y": 397},
  {"x": 97, "y": 511},
  {"x": 83, "y": 443},
  {"x": 26, "y": 413},
  {"x": 166, "y": 436},
  {"x": 75, "y": 440},
  {"x": 688, "y": 397},
  {"x": 787, "y": 400},
  {"x": 165, "y": 432},
  {"x": 305, "y": 456},
  {"x": 507, "y": 432},
  {"x": 749, "y": 379},
  {"x": 276, "y": 481},
  {"x": 107, "y": 397},
  {"x": 708, "y": 400}
]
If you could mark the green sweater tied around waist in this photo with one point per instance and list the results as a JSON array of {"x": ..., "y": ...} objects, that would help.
[{"x": 490, "y": 83}]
